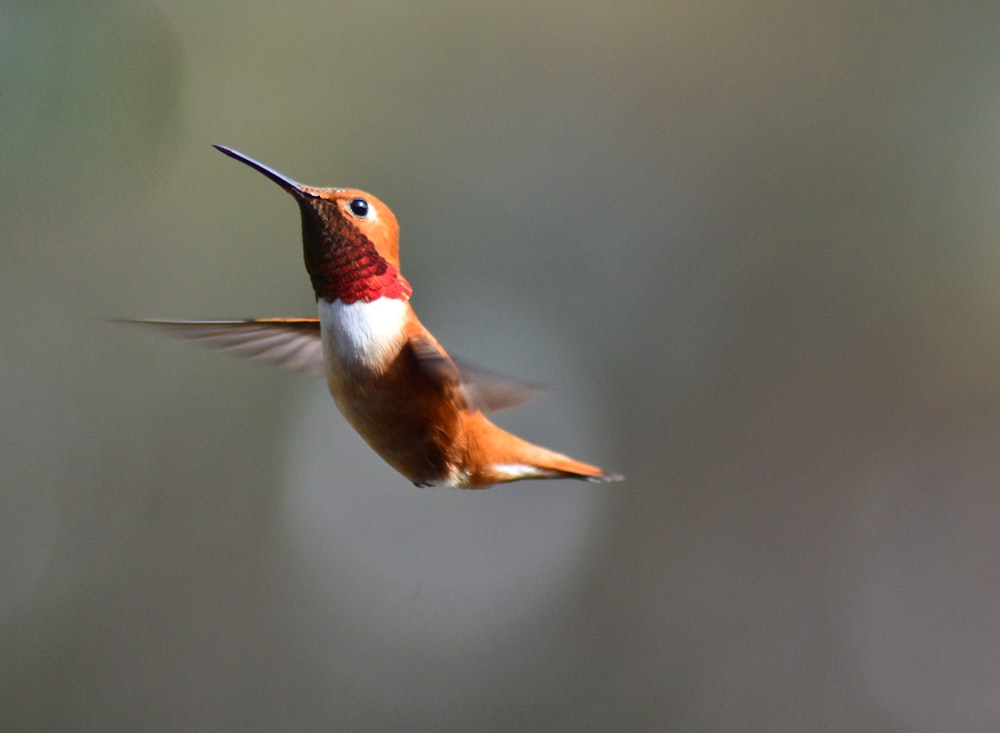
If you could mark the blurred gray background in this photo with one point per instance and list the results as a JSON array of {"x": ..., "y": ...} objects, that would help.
[{"x": 752, "y": 246}]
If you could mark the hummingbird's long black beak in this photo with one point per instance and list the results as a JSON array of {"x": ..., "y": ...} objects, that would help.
[{"x": 293, "y": 187}]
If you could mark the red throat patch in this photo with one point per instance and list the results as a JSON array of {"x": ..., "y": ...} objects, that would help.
[
  {"x": 368, "y": 281},
  {"x": 344, "y": 264}
]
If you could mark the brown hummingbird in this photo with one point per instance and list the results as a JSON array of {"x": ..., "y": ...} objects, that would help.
[{"x": 418, "y": 408}]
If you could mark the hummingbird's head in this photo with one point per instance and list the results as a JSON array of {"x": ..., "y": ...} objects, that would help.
[{"x": 350, "y": 239}]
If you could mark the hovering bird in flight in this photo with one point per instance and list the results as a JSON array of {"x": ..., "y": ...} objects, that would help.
[{"x": 422, "y": 411}]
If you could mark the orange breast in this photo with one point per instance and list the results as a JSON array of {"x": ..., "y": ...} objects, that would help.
[{"x": 408, "y": 419}]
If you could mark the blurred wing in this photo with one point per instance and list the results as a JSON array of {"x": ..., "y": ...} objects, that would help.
[
  {"x": 293, "y": 343},
  {"x": 478, "y": 388}
]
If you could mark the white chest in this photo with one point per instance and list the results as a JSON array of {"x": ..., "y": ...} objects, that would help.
[{"x": 362, "y": 335}]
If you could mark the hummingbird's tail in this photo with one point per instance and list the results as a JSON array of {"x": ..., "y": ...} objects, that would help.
[{"x": 509, "y": 458}]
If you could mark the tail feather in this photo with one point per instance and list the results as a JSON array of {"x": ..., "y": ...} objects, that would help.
[
  {"x": 512, "y": 459},
  {"x": 562, "y": 466},
  {"x": 558, "y": 467}
]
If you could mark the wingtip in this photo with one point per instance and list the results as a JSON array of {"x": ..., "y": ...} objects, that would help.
[{"x": 131, "y": 321}]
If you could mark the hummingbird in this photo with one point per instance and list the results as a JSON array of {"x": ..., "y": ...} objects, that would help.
[{"x": 418, "y": 408}]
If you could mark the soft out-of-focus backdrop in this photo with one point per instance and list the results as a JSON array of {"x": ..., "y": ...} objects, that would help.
[{"x": 755, "y": 247}]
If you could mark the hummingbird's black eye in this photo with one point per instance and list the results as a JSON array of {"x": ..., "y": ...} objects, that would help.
[{"x": 359, "y": 207}]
